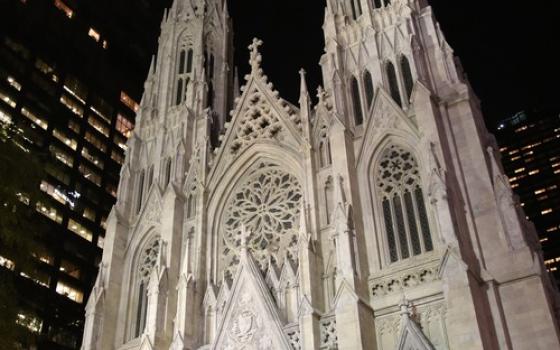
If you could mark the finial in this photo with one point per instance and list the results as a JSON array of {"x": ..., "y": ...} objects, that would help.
[{"x": 256, "y": 57}]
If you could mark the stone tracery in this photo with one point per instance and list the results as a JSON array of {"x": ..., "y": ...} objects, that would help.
[{"x": 267, "y": 205}]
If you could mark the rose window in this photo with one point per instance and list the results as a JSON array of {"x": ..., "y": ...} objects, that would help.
[{"x": 267, "y": 204}]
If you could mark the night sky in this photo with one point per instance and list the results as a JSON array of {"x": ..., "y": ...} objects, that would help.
[{"x": 507, "y": 48}]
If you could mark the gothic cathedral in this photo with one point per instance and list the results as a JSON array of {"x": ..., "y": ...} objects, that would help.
[{"x": 378, "y": 218}]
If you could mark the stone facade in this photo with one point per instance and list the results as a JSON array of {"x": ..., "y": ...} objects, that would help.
[{"x": 378, "y": 218}]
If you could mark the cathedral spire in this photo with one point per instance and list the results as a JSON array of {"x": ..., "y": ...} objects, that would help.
[{"x": 305, "y": 106}]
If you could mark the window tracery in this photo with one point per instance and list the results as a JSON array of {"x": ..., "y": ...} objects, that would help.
[
  {"x": 267, "y": 206},
  {"x": 184, "y": 68},
  {"x": 146, "y": 264},
  {"x": 405, "y": 217}
]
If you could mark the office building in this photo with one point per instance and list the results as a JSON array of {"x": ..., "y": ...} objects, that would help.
[{"x": 71, "y": 76}]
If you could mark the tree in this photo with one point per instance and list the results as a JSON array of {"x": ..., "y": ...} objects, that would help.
[{"x": 21, "y": 172}]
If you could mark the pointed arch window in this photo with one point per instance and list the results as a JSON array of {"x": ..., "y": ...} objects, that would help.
[
  {"x": 405, "y": 219},
  {"x": 407, "y": 76},
  {"x": 184, "y": 68},
  {"x": 357, "y": 102},
  {"x": 368, "y": 83},
  {"x": 140, "y": 192},
  {"x": 167, "y": 174},
  {"x": 393, "y": 83},
  {"x": 146, "y": 264},
  {"x": 329, "y": 200}
]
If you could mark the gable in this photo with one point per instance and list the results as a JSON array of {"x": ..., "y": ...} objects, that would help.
[{"x": 251, "y": 319}]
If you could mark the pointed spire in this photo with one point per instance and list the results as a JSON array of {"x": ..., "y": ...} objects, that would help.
[
  {"x": 152, "y": 65},
  {"x": 256, "y": 57},
  {"x": 305, "y": 107},
  {"x": 303, "y": 92}
]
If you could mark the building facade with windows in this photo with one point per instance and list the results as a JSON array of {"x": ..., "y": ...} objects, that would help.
[
  {"x": 530, "y": 147},
  {"x": 68, "y": 80},
  {"x": 378, "y": 218}
]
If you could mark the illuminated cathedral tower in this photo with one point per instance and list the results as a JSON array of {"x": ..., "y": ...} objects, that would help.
[{"x": 378, "y": 218}]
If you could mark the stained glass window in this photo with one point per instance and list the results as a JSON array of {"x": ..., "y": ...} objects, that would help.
[{"x": 406, "y": 222}]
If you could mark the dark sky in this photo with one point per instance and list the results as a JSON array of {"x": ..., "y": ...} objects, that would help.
[{"x": 507, "y": 47}]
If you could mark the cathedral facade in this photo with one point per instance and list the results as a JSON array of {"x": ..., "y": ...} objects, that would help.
[{"x": 378, "y": 218}]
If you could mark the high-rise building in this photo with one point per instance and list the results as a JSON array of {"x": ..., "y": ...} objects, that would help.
[
  {"x": 379, "y": 218},
  {"x": 530, "y": 147},
  {"x": 70, "y": 73}
]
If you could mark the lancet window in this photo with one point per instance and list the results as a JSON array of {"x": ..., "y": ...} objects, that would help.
[
  {"x": 408, "y": 80},
  {"x": 369, "y": 89},
  {"x": 357, "y": 102},
  {"x": 140, "y": 191},
  {"x": 356, "y": 8},
  {"x": 184, "y": 69},
  {"x": 393, "y": 83},
  {"x": 405, "y": 218},
  {"x": 167, "y": 172},
  {"x": 146, "y": 263}
]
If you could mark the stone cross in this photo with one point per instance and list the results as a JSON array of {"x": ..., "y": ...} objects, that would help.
[{"x": 256, "y": 57}]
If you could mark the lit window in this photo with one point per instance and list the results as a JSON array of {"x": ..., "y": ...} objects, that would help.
[
  {"x": 49, "y": 212},
  {"x": 552, "y": 229},
  {"x": 66, "y": 140},
  {"x": 5, "y": 118},
  {"x": 520, "y": 170},
  {"x": 61, "y": 156},
  {"x": 515, "y": 158},
  {"x": 97, "y": 161},
  {"x": 34, "y": 118},
  {"x": 503, "y": 149},
  {"x": 95, "y": 141},
  {"x": 46, "y": 69},
  {"x": 514, "y": 185},
  {"x": 89, "y": 214},
  {"x": 80, "y": 230},
  {"x": 99, "y": 126},
  {"x": 69, "y": 292},
  {"x": 513, "y": 152},
  {"x": 534, "y": 172},
  {"x": 102, "y": 108},
  {"x": 40, "y": 278},
  {"x": 105, "y": 44},
  {"x": 129, "y": 102},
  {"x": 547, "y": 211},
  {"x": 523, "y": 128},
  {"x": 89, "y": 174},
  {"x": 556, "y": 165},
  {"x": 117, "y": 157},
  {"x": 7, "y": 263},
  {"x": 74, "y": 126},
  {"x": 121, "y": 142},
  {"x": 124, "y": 126},
  {"x": 73, "y": 106},
  {"x": 13, "y": 83},
  {"x": 70, "y": 269},
  {"x": 111, "y": 189},
  {"x": 94, "y": 34},
  {"x": 32, "y": 323},
  {"x": 7, "y": 99},
  {"x": 103, "y": 223},
  {"x": 43, "y": 256},
  {"x": 64, "y": 8}
]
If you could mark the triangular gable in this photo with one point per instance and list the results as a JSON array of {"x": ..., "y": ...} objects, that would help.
[
  {"x": 150, "y": 215},
  {"x": 385, "y": 115},
  {"x": 411, "y": 336},
  {"x": 251, "y": 318},
  {"x": 260, "y": 115}
]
